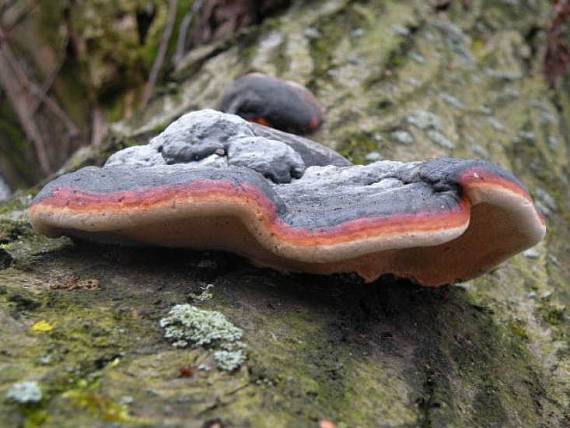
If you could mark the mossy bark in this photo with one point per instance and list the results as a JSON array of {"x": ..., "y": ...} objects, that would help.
[{"x": 488, "y": 353}]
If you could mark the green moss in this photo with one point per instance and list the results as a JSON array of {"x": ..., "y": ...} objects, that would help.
[
  {"x": 11, "y": 230},
  {"x": 356, "y": 146},
  {"x": 518, "y": 328},
  {"x": 89, "y": 399},
  {"x": 35, "y": 418},
  {"x": 553, "y": 314},
  {"x": 331, "y": 29}
]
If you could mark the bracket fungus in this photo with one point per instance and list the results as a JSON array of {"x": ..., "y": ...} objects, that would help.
[
  {"x": 214, "y": 181},
  {"x": 269, "y": 101}
]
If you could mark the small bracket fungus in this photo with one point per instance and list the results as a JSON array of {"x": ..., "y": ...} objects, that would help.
[
  {"x": 286, "y": 202},
  {"x": 277, "y": 103}
]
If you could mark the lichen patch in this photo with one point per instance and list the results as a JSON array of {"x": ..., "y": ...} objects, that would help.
[{"x": 187, "y": 325}]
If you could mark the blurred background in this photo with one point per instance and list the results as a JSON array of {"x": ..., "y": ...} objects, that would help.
[{"x": 70, "y": 68}]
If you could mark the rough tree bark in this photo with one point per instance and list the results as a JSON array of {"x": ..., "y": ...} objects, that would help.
[{"x": 399, "y": 79}]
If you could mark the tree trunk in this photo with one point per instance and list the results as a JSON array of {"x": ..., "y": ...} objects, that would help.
[{"x": 492, "y": 352}]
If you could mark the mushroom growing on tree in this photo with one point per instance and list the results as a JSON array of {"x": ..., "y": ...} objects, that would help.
[
  {"x": 214, "y": 181},
  {"x": 269, "y": 101}
]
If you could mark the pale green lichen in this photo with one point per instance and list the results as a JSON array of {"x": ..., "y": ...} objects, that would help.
[
  {"x": 402, "y": 137},
  {"x": 424, "y": 120},
  {"x": 229, "y": 360},
  {"x": 187, "y": 325},
  {"x": 440, "y": 139},
  {"x": 204, "y": 295},
  {"x": 28, "y": 392}
]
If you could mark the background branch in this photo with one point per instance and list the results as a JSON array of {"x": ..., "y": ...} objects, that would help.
[
  {"x": 161, "y": 56},
  {"x": 17, "y": 88}
]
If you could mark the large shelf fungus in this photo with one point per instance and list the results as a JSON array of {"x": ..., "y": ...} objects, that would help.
[{"x": 214, "y": 181}]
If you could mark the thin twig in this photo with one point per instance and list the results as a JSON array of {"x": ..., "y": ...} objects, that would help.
[
  {"x": 54, "y": 107},
  {"x": 41, "y": 94},
  {"x": 160, "y": 57},
  {"x": 4, "y": 7},
  {"x": 182, "y": 33},
  {"x": 184, "y": 28},
  {"x": 556, "y": 60},
  {"x": 46, "y": 87},
  {"x": 17, "y": 88},
  {"x": 98, "y": 126},
  {"x": 23, "y": 15}
]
